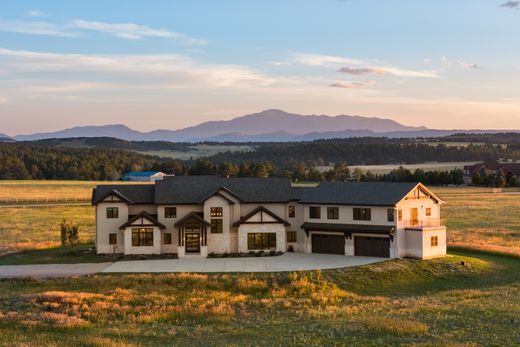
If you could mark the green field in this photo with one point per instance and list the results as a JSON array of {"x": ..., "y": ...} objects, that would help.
[
  {"x": 397, "y": 302},
  {"x": 200, "y": 151},
  {"x": 384, "y": 169}
]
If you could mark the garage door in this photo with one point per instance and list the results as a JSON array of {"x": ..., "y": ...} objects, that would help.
[
  {"x": 332, "y": 244},
  {"x": 372, "y": 246}
]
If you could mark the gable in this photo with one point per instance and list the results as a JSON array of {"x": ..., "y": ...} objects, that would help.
[
  {"x": 420, "y": 192},
  {"x": 112, "y": 198},
  {"x": 261, "y": 217}
]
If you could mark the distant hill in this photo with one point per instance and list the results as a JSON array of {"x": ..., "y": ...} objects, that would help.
[
  {"x": 266, "y": 126},
  {"x": 5, "y": 138},
  {"x": 113, "y": 143}
]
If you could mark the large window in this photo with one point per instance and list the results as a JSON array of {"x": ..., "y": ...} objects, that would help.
[
  {"x": 434, "y": 241},
  {"x": 216, "y": 212},
  {"x": 216, "y": 226},
  {"x": 167, "y": 238},
  {"x": 258, "y": 241},
  {"x": 112, "y": 212},
  {"x": 332, "y": 212},
  {"x": 142, "y": 237},
  {"x": 292, "y": 211},
  {"x": 390, "y": 213},
  {"x": 291, "y": 236},
  {"x": 362, "y": 213},
  {"x": 428, "y": 211},
  {"x": 112, "y": 239},
  {"x": 170, "y": 212},
  {"x": 315, "y": 212}
]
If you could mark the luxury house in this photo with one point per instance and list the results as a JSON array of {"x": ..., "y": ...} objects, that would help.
[{"x": 199, "y": 215}]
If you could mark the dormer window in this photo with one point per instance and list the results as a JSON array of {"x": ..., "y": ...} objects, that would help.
[{"x": 216, "y": 212}]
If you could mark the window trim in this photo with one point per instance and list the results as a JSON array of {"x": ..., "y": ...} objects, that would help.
[
  {"x": 170, "y": 215},
  {"x": 390, "y": 215},
  {"x": 143, "y": 239},
  {"x": 428, "y": 212},
  {"x": 335, "y": 216},
  {"x": 362, "y": 214},
  {"x": 400, "y": 215},
  {"x": 257, "y": 243},
  {"x": 112, "y": 239},
  {"x": 315, "y": 208},
  {"x": 110, "y": 212},
  {"x": 294, "y": 236},
  {"x": 216, "y": 211},
  {"x": 434, "y": 241},
  {"x": 218, "y": 228},
  {"x": 170, "y": 239},
  {"x": 291, "y": 211}
]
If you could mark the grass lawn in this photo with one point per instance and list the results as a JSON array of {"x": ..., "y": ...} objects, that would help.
[{"x": 399, "y": 302}]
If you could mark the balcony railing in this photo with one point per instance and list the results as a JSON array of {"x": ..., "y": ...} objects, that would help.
[{"x": 423, "y": 224}]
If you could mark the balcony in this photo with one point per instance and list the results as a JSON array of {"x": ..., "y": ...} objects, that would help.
[{"x": 431, "y": 223}]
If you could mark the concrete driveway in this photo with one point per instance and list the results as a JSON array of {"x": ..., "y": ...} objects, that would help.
[{"x": 285, "y": 262}]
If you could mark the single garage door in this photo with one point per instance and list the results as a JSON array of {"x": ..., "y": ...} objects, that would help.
[
  {"x": 332, "y": 244},
  {"x": 372, "y": 246}
]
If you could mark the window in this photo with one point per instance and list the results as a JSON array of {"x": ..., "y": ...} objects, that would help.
[
  {"x": 216, "y": 226},
  {"x": 292, "y": 211},
  {"x": 428, "y": 211},
  {"x": 362, "y": 213},
  {"x": 167, "y": 238},
  {"x": 332, "y": 212},
  {"x": 390, "y": 215},
  {"x": 291, "y": 236},
  {"x": 112, "y": 239},
  {"x": 315, "y": 212},
  {"x": 434, "y": 241},
  {"x": 399, "y": 215},
  {"x": 112, "y": 212},
  {"x": 216, "y": 212},
  {"x": 142, "y": 237},
  {"x": 258, "y": 241},
  {"x": 170, "y": 212}
]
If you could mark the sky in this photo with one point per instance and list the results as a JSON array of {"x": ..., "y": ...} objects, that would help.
[{"x": 169, "y": 64}]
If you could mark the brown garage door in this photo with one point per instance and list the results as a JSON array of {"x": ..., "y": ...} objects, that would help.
[
  {"x": 332, "y": 244},
  {"x": 372, "y": 246}
]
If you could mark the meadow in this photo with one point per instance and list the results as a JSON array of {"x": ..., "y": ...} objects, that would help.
[
  {"x": 397, "y": 302},
  {"x": 200, "y": 150}
]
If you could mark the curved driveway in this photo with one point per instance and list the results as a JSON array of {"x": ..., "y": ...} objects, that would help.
[{"x": 285, "y": 262}]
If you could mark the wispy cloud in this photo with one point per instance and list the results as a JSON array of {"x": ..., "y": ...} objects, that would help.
[
  {"x": 353, "y": 84},
  {"x": 362, "y": 71},
  {"x": 36, "y": 28},
  {"x": 79, "y": 27},
  {"x": 359, "y": 66},
  {"x": 471, "y": 66},
  {"x": 511, "y": 4},
  {"x": 35, "y": 13},
  {"x": 131, "y": 31}
]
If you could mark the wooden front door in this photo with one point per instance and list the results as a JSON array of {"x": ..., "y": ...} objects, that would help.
[
  {"x": 192, "y": 242},
  {"x": 414, "y": 216}
]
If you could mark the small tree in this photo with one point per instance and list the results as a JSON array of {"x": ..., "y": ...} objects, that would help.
[
  {"x": 73, "y": 235},
  {"x": 64, "y": 227}
]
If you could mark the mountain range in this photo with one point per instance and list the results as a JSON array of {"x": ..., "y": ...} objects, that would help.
[{"x": 270, "y": 125}]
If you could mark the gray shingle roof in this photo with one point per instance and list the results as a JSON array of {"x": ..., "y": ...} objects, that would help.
[
  {"x": 194, "y": 189},
  {"x": 357, "y": 193},
  {"x": 136, "y": 193}
]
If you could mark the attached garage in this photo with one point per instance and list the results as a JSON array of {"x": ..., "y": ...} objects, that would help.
[
  {"x": 331, "y": 244},
  {"x": 370, "y": 246}
]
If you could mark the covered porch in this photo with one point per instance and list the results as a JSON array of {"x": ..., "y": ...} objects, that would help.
[{"x": 193, "y": 235}]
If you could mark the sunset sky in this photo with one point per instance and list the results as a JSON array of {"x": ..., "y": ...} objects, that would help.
[{"x": 170, "y": 64}]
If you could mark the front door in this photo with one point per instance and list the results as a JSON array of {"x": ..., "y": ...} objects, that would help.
[
  {"x": 414, "y": 216},
  {"x": 192, "y": 242}
]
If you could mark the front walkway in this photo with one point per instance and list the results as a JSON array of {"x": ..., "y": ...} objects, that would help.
[{"x": 285, "y": 262}]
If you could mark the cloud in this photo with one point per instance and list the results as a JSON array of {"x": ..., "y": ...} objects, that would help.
[
  {"x": 362, "y": 71},
  {"x": 131, "y": 31},
  {"x": 358, "y": 66},
  {"x": 36, "y": 28},
  {"x": 511, "y": 4},
  {"x": 35, "y": 13},
  {"x": 353, "y": 84},
  {"x": 470, "y": 66}
]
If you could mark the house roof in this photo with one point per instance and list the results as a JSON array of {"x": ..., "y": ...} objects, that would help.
[
  {"x": 145, "y": 215},
  {"x": 357, "y": 193},
  {"x": 194, "y": 189},
  {"x": 192, "y": 215},
  {"x": 135, "y": 193},
  {"x": 142, "y": 173},
  {"x": 260, "y": 209}
]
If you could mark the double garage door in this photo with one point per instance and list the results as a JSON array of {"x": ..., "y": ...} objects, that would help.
[{"x": 363, "y": 245}]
